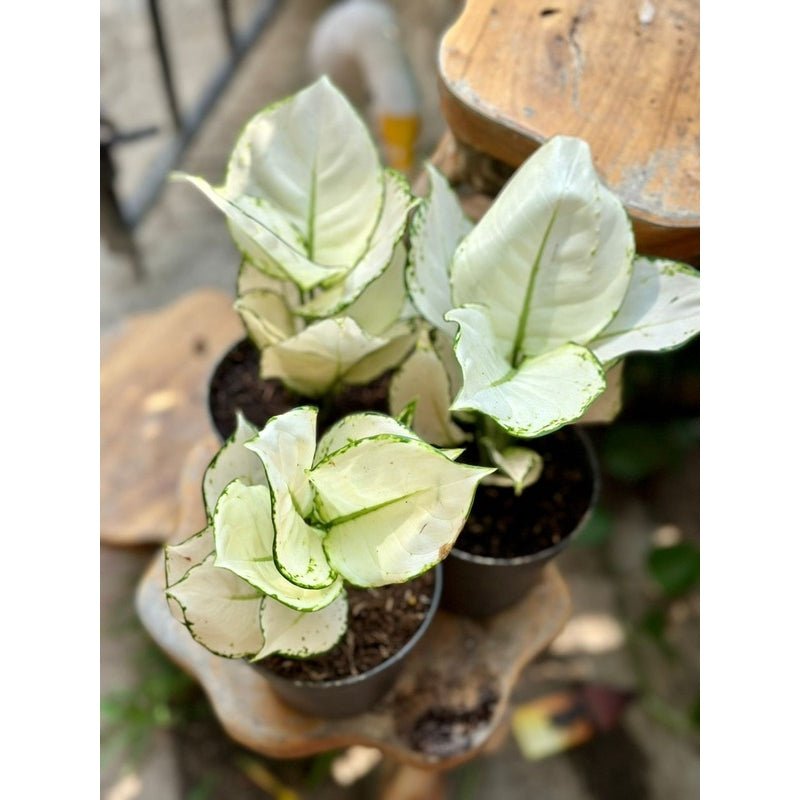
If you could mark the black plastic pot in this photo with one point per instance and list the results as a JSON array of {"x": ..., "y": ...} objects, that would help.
[
  {"x": 479, "y": 586},
  {"x": 261, "y": 399},
  {"x": 258, "y": 399},
  {"x": 353, "y": 695}
]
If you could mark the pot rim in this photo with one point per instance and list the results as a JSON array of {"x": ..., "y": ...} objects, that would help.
[
  {"x": 351, "y": 680},
  {"x": 549, "y": 552}
]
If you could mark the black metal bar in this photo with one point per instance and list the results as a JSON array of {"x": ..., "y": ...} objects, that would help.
[
  {"x": 114, "y": 229},
  {"x": 227, "y": 24},
  {"x": 163, "y": 60},
  {"x": 152, "y": 184}
]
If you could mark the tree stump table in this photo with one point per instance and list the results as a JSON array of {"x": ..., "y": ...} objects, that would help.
[
  {"x": 449, "y": 700},
  {"x": 622, "y": 75}
]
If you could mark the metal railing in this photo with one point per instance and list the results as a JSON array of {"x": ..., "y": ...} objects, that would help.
[{"x": 122, "y": 215}]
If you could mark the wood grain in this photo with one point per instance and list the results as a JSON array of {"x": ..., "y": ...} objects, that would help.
[
  {"x": 622, "y": 75},
  {"x": 154, "y": 375}
]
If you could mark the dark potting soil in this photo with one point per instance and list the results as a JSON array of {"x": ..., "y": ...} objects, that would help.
[
  {"x": 446, "y": 731},
  {"x": 236, "y": 384},
  {"x": 502, "y": 525},
  {"x": 380, "y": 622}
]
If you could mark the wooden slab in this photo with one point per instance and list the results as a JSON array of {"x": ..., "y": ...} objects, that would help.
[
  {"x": 622, "y": 75},
  {"x": 154, "y": 375},
  {"x": 450, "y": 698}
]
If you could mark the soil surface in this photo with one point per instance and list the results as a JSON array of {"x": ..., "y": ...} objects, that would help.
[
  {"x": 502, "y": 525},
  {"x": 236, "y": 384},
  {"x": 380, "y": 622}
]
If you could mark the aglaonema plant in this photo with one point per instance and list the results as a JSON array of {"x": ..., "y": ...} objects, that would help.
[
  {"x": 532, "y": 307},
  {"x": 293, "y": 521},
  {"x": 320, "y": 225}
]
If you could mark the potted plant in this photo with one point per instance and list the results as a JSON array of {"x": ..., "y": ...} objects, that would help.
[
  {"x": 530, "y": 311},
  {"x": 306, "y": 542},
  {"x": 320, "y": 226}
]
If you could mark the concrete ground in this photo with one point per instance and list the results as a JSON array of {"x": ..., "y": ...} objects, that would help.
[{"x": 159, "y": 740}]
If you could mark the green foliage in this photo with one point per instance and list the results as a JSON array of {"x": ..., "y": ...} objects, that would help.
[
  {"x": 676, "y": 568},
  {"x": 163, "y": 698},
  {"x": 654, "y": 623},
  {"x": 319, "y": 768},
  {"x": 694, "y": 713},
  {"x": 467, "y": 780},
  {"x": 661, "y": 386},
  {"x": 204, "y": 789},
  {"x": 597, "y": 529},
  {"x": 636, "y": 450}
]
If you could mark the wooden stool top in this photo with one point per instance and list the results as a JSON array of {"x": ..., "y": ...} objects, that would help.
[
  {"x": 622, "y": 75},
  {"x": 154, "y": 375}
]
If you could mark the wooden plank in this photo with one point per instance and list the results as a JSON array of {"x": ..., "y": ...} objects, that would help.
[
  {"x": 154, "y": 376},
  {"x": 623, "y": 76}
]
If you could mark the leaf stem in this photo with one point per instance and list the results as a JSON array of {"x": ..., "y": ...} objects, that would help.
[{"x": 487, "y": 428}]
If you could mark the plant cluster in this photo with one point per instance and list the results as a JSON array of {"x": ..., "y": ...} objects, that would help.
[
  {"x": 501, "y": 331},
  {"x": 537, "y": 303},
  {"x": 293, "y": 521},
  {"x": 320, "y": 225}
]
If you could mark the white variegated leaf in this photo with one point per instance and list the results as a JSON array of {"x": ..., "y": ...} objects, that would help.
[
  {"x": 180, "y": 558},
  {"x": 437, "y": 228},
  {"x": 312, "y": 157},
  {"x": 265, "y": 316},
  {"x": 354, "y": 427},
  {"x": 422, "y": 377},
  {"x": 518, "y": 466},
  {"x": 317, "y": 359},
  {"x": 382, "y": 303},
  {"x": 277, "y": 256},
  {"x": 539, "y": 396},
  {"x": 301, "y": 634},
  {"x": 374, "y": 262},
  {"x": 452, "y": 452},
  {"x": 400, "y": 340},
  {"x": 221, "y": 611},
  {"x": 250, "y": 278},
  {"x": 392, "y": 506},
  {"x": 551, "y": 259},
  {"x": 286, "y": 447},
  {"x": 298, "y": 551},
  {"x": 660, "y": 311},
  {"x": 233, "y": 460},
  {"x": 245, "y": 535},
  {"x": 609, "y": 404},
  {"x": 445, "y": 349},
  {"x": 409, "y": 310}
]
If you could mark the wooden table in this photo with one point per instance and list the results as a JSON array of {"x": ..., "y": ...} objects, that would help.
[
  {"x": 154, "y": 376},
  {"x": 621, "y": 74}
]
